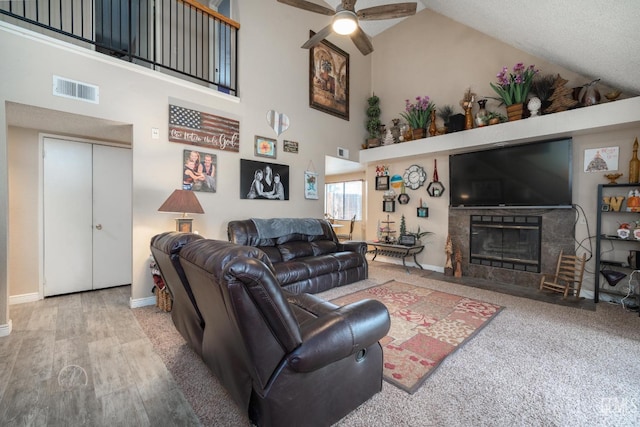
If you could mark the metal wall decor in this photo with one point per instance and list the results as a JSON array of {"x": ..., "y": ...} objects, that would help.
[{"x": 414, "y": 177}]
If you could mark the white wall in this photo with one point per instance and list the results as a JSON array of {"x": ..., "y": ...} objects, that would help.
[{"x": 274, "y": 73}]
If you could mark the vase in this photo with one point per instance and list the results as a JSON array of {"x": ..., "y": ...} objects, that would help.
[
  {"x": 482, "y": 117},
  {"x": 514, "y": 111},
  {"x": 418, "y": 133},
  {"x": 634, "y": 165},
  {"x": 433, "y": 130}
]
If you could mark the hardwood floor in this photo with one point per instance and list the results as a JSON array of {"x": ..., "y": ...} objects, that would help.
[{"x": 82, "y": 359}]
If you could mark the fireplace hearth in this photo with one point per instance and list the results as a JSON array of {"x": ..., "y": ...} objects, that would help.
[{"x": 509, "y": 241}]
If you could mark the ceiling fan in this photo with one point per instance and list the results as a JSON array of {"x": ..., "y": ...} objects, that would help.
[{"x": 345, "y": 20}]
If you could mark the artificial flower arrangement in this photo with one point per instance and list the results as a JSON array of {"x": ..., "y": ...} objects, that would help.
[
  {"x": 513, "y": 87},
  {"x": 418, "y": 115}
]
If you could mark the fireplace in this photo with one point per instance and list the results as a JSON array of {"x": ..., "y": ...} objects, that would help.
[
  {"x": 506, "y": 241},
  {"x": 556, "y": 235}
]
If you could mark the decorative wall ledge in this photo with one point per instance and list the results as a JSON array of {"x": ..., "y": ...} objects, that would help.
[{"x": 614, "y": 115}]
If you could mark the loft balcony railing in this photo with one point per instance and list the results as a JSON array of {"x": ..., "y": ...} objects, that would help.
[{"x": 178, "y": 37}]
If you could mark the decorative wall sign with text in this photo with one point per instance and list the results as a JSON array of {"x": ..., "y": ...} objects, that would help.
[
  {"x": 290, "y": 146},
  {"x": 203, "y": 129}
]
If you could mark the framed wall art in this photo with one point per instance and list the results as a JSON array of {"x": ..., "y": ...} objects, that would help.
[
  {"x": 265, "y": 147},
  {"x": 388, "y": 206},
  {"x": 329, "y": 79},
  {"x": 382, "y": 183},
  {"x": 206, "y": 130},
  {"x": 310, "y": 185},
  {"x": 261, "y": 180},
  {"x": 199, "y": 171}
]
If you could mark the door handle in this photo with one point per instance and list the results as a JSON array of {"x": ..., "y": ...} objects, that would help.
[{"x": 99, "y": 227}]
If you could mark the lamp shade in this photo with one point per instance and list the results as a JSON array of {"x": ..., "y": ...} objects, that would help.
[
  {"x": 182, "y": 201},
  {"x": 345, "y": 22}
]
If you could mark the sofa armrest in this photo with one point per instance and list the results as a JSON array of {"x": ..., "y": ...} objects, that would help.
[
  {"x": 360, "y": 247},
  {"x": 339, "y": 334}
]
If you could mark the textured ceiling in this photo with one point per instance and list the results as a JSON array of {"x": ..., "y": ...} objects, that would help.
[{"x": 595, "y": 38}]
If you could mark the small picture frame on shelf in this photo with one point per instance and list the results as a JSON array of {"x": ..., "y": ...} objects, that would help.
[
  {"x": 605, "y": 207},
  {"x": 435, "y": 189},
  {"x": 422, "y": 212},
  {"x": 403, "y": 198},
  {"x": 382, "y": 183},
  {"x": 407, "y": 240},
  {"x": 388, "y": 206}
]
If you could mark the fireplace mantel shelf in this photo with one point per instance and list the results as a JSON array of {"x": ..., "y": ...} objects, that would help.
[{"x": 597, "y": 118}]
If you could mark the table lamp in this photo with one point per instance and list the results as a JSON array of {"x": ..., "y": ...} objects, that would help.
[{"x": 182, "y": 201}]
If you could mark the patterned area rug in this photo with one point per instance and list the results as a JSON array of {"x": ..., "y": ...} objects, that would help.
[{"x": 426, "y": 327}]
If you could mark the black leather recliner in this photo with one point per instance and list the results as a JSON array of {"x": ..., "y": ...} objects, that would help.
[
  {"x": 185, "y": 313},
  {"x": 288, "y": 360}
]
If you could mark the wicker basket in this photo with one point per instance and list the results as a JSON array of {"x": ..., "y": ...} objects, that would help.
[{"x": 163, "y": 299}]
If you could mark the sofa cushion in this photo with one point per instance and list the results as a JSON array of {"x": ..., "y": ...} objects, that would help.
[
  {"x": 295, "y": 250},
  {"x": 300, "y": 269}
]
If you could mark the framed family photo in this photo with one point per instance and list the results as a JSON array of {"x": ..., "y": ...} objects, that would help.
[
  {"x": 199, "y": 171},
  {"x": 329, "y": 79},
  {"x": 261, "y": 180}
]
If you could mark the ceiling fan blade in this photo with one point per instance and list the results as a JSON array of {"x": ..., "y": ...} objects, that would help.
[
  {"x": 318, "y": 37},
  {"x": 388, "y": 11},
  {"x": 311, "y": 7},
  {"x": 362, "y": 42}
]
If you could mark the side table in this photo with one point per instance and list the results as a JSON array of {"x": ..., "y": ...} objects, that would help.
[{"x": 396, "y": 251}]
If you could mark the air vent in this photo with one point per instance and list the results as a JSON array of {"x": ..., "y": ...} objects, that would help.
[{"x": 76, "y": 90}]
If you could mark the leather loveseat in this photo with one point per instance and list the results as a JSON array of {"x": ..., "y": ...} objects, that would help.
[
  {"x": 305, "y": 252},
  {"x": 287, "y": 359}
]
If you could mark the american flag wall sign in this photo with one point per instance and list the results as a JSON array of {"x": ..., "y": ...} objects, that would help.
[{"x": 202, "y": 129}]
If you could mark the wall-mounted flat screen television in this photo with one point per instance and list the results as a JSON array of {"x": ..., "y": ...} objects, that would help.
[{"x": 528, "y": 175}]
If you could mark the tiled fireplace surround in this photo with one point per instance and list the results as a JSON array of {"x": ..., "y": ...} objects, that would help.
[{"x": 557, "y": 234}]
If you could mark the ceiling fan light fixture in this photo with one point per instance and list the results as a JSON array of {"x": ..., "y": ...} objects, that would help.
[{"x": 345, "y": 22}]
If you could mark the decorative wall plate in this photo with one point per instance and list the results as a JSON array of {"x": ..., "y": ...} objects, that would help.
[{"x": 414, "y": 177}]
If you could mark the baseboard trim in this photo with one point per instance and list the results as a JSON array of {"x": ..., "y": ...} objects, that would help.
[
  {"x": 5, "y": 330},
  {"x": 409, "y": 263},
  {"x": 21, "y": 299},
  {"x": 141, "y": 302}
]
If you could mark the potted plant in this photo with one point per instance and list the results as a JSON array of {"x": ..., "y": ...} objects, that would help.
[
  {"x": 373, "y": 121},
  {"x": 418, "y": 115},
  {"x": 444, "y": 113},
  {"x": 542, "y": 86},
  {"x": 513, "y": 88},
  {"x": 419, "y": 234},
  {"x": 494, "y": 118}
]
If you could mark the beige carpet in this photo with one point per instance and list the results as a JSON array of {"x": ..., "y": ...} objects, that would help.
[{"x": 536, "y": 364}]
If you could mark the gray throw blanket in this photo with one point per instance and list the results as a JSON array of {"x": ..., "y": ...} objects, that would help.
[{"x": 278, "y": 227}]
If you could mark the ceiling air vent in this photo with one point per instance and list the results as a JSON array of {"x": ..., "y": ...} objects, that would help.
[{"x": 76, "y": 90}]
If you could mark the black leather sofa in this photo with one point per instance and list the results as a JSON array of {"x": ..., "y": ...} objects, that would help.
[
  {"x": 287, "y": 359},
  {"x": 305, "y": 252}
]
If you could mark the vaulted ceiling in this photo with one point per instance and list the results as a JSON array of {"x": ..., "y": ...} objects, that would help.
[{"x": 595, "y": 38}]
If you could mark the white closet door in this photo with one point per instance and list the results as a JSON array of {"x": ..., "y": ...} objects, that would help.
[
  {"x": 68, "y": 225},
  {"x": 111, "y": 216},
  {"x": 87, "y": 216}
]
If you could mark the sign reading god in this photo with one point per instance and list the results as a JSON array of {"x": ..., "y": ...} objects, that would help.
[{"x": 202, "y": 129}]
